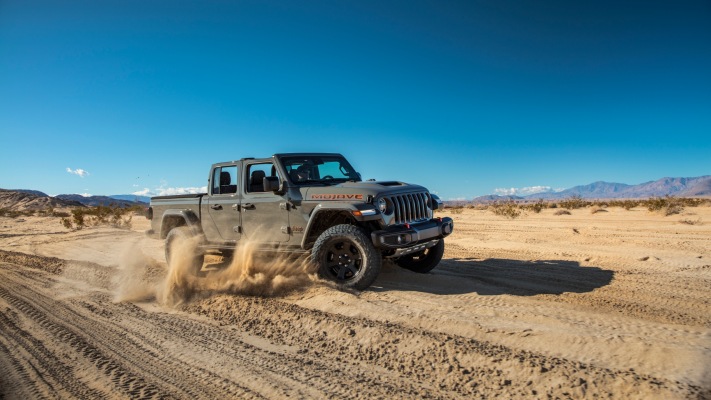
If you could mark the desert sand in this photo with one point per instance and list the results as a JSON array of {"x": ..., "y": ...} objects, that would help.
[{"x": 615, "y": 304}]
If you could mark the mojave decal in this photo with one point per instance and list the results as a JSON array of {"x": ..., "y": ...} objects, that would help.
[{"x": 319, "y": 196}]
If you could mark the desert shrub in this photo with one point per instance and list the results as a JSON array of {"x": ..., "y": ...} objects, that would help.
[
  {"x": 573, "y": 202},
  {"x": 100, "y": 215},
  {"x": 656, "y": 203},
  {"x": 691, "y": 221},
  {"x": 691, "y": 202},
  {"x": 456, "y": 210},
  {"x": 51, "y": 212},
  {"x": 553, "y": 205},
  {"x": 673, "y": 209},
  {"x": 596, "y": 210},
  {"x": 537, "y": 207},
  {"x": 508, "y": 209},
  {"x": 629, "y": 204},
  {"x": 78, "y": 217},
  {"x": 562, "y": 212},
  {"x": 5, "y": 212},
  {"x": 668, "y": 205}
]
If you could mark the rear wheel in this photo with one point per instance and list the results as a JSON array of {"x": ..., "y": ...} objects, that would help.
[
  {"x": 424, "y": 261},
  {"x": 345, "y": 255},
  {"x": 181, "y": 236}
]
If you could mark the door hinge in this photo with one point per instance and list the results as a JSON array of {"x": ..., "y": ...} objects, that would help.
[
  {"x": 286, "y": 230},
  {"x": 237, "y": 228}
]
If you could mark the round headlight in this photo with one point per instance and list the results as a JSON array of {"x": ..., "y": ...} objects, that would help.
[{"x": 383, "y": 206}]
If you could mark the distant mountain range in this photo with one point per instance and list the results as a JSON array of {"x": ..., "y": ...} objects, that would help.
[
  {"x": 24, "y": 199},
  {"x": 680, "y": 187},
  {"x": 93, "y": 201},
  {"x": 21, "y": 199}
]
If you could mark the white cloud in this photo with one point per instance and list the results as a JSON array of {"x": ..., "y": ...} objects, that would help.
[
  {"x": 169, "y": 191},
  {"x": 524, "y": 191},
  {"x": 86, "y": 194},
  {"x": 79, "y": 172},
  {"x": 144, "y": 192}
]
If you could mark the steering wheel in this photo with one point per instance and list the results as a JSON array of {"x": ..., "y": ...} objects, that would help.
[{"x": 328, "y": 177}]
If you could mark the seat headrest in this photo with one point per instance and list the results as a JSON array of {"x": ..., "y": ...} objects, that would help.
[
  {"x": 225, "y": 178},
  {"x": 258, "y": 177}
]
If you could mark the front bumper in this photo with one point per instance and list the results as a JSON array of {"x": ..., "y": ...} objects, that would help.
[{"x": 405, "y": 236}]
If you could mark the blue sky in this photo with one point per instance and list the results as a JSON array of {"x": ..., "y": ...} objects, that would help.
[{"x": 464, "y": 97}]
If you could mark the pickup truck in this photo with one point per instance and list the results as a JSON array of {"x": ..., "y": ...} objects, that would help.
[{"x": 313, "y": 203}]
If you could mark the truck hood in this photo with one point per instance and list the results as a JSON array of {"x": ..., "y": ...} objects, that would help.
[{"x": 357, "y": 191}]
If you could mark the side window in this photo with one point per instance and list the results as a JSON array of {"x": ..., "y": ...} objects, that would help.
[
  {"x": 255, "y": 177},
  {"x": 224, "y": 180}
]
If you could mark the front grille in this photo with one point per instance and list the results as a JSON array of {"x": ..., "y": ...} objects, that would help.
[{"x": 410, "y": 208}]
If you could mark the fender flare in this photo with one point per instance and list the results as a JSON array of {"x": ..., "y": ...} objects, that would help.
[
  {"x": 187, "y": 218},
  {"x": 327, "y": 207}
]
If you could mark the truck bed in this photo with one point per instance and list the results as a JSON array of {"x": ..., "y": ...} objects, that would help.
[
  {"x": 178, "y": 196},
  {"x": 182, "y": 202}
]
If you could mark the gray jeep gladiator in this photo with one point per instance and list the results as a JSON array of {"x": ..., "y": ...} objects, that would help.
[{"x": 307, "y": 203}]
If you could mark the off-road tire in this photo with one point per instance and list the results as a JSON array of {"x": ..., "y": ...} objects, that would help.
[
  {"x": 345, "y": 255},
  {"x": 182, "y": 233},
  {"x": 424, "y": 261}
]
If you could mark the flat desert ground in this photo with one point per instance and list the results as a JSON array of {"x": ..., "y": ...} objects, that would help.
[{"x": 615, "y": 304}]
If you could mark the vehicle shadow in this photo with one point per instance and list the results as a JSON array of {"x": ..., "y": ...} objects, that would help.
[{"x": 495, "y": 276}]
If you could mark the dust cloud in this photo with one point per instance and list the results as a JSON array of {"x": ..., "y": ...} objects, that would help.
[
  {"x": 249, "y": 272},
  {"x": 132, "y": 281}
]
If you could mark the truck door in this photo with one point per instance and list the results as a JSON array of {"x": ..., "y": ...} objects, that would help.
[
  {"x": 265, "y": 215},
  {"x": 223, "y": 205}
]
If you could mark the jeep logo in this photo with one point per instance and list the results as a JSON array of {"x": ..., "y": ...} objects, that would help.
[{"x": 337, "y": 196}]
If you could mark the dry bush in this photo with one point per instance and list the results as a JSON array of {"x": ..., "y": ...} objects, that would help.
[
  {"x": 573, "y": 202},
  {"x": 508, "y": 209},
  {"x": 562, "y": 212},
  {"x": 455, "y": 210},
  {"x": 691, "y": 221},
  {"x": 673, "y": 209},
  {"x": 51, "y": 212},
  {"x": 596, "y": 210},
  {"x": 4, "y": 212},
  {"x": 668, "y": 205},
  {"x": 626, "y": 204},
  {"x": 101, "y": 215},
  {"x": 536, "y": 207},
  {"x": 657, "y": 203}
]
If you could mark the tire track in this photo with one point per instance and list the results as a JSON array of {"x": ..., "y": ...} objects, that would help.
[
  {"x": 136, "y": 363},
  {"x": 458, "y": 366},
  {"x": 250, "y": 347}
]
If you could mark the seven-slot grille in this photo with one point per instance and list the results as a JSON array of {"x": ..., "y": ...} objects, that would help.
[{"x": 409, "y": 208}]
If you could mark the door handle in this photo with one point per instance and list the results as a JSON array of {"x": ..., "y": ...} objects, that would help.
[
  {"x": 216, "y": 207},
  {"x": 248, "y": 206}
]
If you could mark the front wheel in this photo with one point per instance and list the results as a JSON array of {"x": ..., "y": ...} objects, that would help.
[
  {"x": 424, "y": 261},
  {"x": 182, "y": 237},
  {"x": 345, "y": 254}
]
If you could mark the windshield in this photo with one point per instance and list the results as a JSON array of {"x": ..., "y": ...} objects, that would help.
[{"x": 319, "y": 169}]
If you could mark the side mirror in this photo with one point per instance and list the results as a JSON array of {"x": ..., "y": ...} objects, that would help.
[{"x": 271, "y": 184}]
